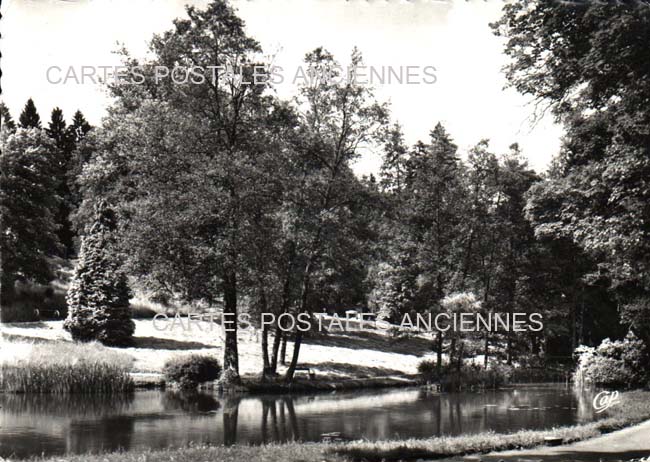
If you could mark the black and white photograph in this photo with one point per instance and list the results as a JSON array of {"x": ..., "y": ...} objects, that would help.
[{"x": 325, "y": 230}]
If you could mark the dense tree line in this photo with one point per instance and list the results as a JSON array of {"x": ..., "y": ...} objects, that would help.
[
  {"x": 219, "y": 191},
  {"x": 587, "y": 63},
  {"x": 37, "y": 175}
]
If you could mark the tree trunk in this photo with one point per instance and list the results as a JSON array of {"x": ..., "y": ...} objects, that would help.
[
  {"x": 230, "y": 353},
  {"x": 452, "y": 352},
  {"x": 486, "y": 350},
  {"x": 265, "y": 351},
  {"x": 439, "y": 355},
  {"x": 283, "y": 350},
  {"x": 280, "y": 336},
  {"x": 534, "y": 345},
  {"x": 277, "y": 339},
  {"x": 303, "y": 309},
  {"x": 297, "y": 341}
]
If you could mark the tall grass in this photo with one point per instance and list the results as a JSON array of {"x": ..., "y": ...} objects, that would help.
[{"x": 67, "y": 368}]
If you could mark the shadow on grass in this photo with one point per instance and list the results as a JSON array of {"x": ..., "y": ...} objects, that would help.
[
  {"x": 352, "y": 370},
  {"x": 29, "y": 339},
  {"x": 140, "y": 311},
  {"x": 373, "y": 341},
  {"x": 156, "y": 343},
  {"x": 27, "y": 325}
]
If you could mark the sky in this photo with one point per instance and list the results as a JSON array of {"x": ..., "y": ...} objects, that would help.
[{"x": 454, "y": 37}]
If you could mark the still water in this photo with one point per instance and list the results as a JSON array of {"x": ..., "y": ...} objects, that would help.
[{"x": 41, "y": 424}]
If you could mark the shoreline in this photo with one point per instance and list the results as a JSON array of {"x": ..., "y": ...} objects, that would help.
[
  {"x": 633, "y": 441},
  {"x": 634, "y": 410},
  {"x": 156, "y": 381}
]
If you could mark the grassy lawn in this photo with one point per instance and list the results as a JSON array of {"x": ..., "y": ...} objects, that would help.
[
  {"x": 336, "y": 356},
  {"x": 634, "y": 408}
]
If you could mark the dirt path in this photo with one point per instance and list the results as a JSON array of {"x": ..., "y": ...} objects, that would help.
[{"x": 623, "y": 445}]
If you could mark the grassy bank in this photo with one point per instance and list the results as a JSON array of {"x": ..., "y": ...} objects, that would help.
[
  {"x": 66, "y": 368},
  {"x": 253, "y": 384},
  {"x": 334, "y": 357},
  {"x": 634, "y": 408}
]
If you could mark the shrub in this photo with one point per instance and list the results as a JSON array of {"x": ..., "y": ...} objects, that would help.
[
  {"x": 637, "y": 315},
  {"x": 67, "y": 368},
  {"x": 615, "y": 364},
  {"x": 98, "y": 297},
  {"x": 428, "y": 369},
  {"x": 190, "y": 371}
]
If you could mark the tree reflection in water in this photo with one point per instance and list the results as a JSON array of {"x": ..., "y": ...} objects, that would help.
[
  {"x": 35, "y": 424},
  {"x": 284, "y": 428},
  {"x": 230, "y": 416},
  {"x": 191, "y": 402}
]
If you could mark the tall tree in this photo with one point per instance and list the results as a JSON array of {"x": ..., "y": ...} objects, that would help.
[
  {"x": 339, "y": 116},
  {"x": 98, "y": 297},
  {"x": 27, "y": 203},
  {"x": 394, "y": 166},
  {"x": 62, "y": 136},
  {"x": 6, "y": 119},
  {"x": 202, "y": 159},
  {"x": 56, "y": 128},
  {"x": 29, "y": 118},
  {"x": 423, "y": 230},
  {"x": 79, "y": 127},
  {"x": 568, "y": 57}
]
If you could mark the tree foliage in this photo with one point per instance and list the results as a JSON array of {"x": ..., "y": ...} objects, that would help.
[
  {"x": 62, "y": 135},
  {"x": 98, "y": 297},
  {"x": 29, "y": 118},
  {"x": 5, "y": 119},
  {"x": 28, "y": 200},
  {"x": 588, "y": 62}
]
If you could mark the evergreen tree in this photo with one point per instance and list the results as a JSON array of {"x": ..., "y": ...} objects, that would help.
[
  {"x": 29, "y": 118},
  {"x": 6, "y": 119},
  {"x": 98, "y": 298},
  {"x": 27, "y": 202},
  {"x": 393, "y": 169},
  {"x": 79, "y": 127},
  {"x": 57, "y": 128},
  {"x": 433, "y": 211},
  {"x": 62, "y": 136}
]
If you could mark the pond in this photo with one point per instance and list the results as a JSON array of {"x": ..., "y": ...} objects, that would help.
[{"x": 41, "y": 424}]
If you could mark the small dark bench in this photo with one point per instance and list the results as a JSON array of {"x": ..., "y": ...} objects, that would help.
[
  {"x": 47, "y": 312},
  {"x": 553, "y": 440},
  {"x": 333, "y": 437},
  {"x": 312, "y": 374}
]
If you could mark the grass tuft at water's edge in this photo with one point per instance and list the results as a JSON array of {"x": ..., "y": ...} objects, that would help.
[{"x": 67, "y": 368}]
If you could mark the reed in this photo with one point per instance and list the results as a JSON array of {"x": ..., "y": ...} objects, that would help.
[{"x": 67, "y": 368}]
